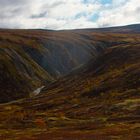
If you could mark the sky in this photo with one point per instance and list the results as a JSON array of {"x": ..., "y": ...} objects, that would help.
[{"x": 68, "y": 14}]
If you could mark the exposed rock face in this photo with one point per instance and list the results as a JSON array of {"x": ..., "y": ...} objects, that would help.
[{"x": 37, "y": 91}]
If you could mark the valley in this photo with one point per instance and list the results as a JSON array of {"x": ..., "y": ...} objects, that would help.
[{"x": 87, "y": 81}]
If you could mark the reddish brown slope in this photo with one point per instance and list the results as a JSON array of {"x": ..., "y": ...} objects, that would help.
[
  {"x": 97, "y": 101},
  {"x": 30, "y": 58}
]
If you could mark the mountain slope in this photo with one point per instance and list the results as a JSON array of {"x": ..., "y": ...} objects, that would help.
[
  {"x": 99, "y": 100},
  {"x": 30, "y": 58}
]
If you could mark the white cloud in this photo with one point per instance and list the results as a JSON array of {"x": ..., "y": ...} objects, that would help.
[
  {"x": 67, "y": 14},
  {"x": 120, "y": 14}
]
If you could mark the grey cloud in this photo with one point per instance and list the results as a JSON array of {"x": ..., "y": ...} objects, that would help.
[
  {"x": 40, "y": 15},
  {"x": 137, "y": 10},
  {"x": 57, "y": 3}
]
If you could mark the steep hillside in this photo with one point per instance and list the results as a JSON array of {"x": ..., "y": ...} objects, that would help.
[
  {"x": 30, "y": 58},
  {"x": 99, "y": 100}
]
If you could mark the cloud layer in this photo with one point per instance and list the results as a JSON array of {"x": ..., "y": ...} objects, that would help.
[{"x": 68, "y": 14}]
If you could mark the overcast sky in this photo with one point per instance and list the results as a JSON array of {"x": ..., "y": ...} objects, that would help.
[{"x": 68, "y": 14}]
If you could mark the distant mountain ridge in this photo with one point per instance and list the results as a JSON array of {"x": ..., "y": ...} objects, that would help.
[{"x": 121, "y": 29}]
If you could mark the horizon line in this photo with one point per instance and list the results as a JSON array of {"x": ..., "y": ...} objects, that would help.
[{"x": 96, "y": 28}]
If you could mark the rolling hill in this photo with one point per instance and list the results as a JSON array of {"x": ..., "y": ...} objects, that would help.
[{"x": 98, "y": 98}]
